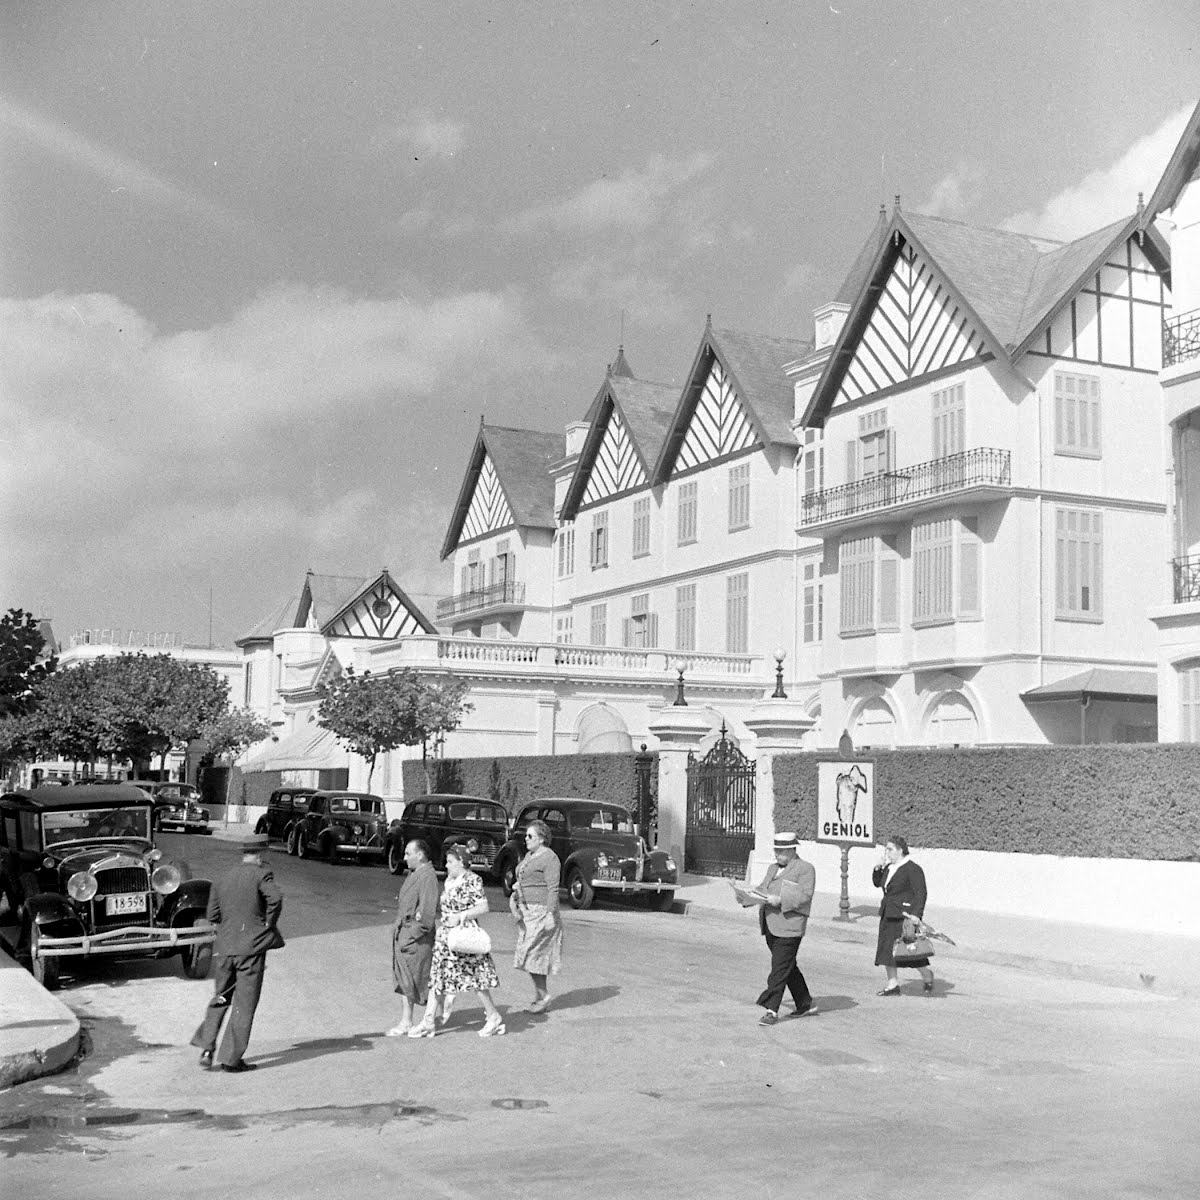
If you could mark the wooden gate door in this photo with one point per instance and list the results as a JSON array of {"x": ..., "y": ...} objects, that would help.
[{"x": 720, "y": 811}]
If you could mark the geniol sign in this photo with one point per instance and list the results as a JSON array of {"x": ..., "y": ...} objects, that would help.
[{"x": 846, "y": 802}]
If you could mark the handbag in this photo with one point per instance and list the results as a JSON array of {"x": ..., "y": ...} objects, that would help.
[
  {"x": 904, "y": 952},
  {"x": 468, "y": 939}
]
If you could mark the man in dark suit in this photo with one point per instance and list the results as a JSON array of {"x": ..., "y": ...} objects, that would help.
[
  {"x": 245, "y": 907},
  {"x": 783, "y": 918}
]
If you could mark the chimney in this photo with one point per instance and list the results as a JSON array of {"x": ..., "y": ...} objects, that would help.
[
  {"x": 576, "y": 434},
  {"x": 827, "y": 323}
]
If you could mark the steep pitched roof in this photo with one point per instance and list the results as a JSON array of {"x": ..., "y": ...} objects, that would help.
[
  {"x": 324, "y": 596},
  {"x": 522, "y": 459},
  {"x": 279, "y": 617},
  {"x": 756, "y": 365},
  {"x": 1183, "y": 167}
]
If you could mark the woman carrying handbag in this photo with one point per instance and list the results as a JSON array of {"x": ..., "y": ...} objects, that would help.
[
  {"x": 462, "y": 960},
  {"x": 903, "y": 904}
]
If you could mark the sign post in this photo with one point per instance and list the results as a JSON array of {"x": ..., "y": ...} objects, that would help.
[{"x": 846, "y": 812}]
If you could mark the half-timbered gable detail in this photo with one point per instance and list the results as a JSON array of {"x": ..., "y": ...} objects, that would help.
[
  {"x": 617, "y": 467},
  {"x": 738, "y": 398},
  {"x": 490, "y": 511},
  {"x": 382, "y": 611}
]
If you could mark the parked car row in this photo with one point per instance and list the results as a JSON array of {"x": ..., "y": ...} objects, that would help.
[{"x": 595, "y": 841}]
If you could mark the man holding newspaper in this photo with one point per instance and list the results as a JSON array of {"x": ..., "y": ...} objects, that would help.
[{"x": 785, "y": 899}]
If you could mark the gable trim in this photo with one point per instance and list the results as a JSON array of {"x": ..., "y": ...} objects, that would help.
[
  {"x": 605, "y": 404},
  {"x": 466, "y": 494}
]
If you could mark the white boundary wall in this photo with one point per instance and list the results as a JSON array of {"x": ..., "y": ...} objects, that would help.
[{"x": 1124, "y": 893}]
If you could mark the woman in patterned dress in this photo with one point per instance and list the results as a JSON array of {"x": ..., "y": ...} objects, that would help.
[
  {"x": 534, "y": 904},
  {"x": 463, "y": 903}
]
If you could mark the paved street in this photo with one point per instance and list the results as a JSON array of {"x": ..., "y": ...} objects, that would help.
[{"x": 649, "y": 1075}]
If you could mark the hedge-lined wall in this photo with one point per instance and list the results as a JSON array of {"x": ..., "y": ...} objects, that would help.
[
  {"x": 513, "y": 781},
  {"x": 253, "y": 787},
  {"x": 1111, "y": 801}
]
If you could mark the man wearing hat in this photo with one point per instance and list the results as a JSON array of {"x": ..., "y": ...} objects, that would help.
[
  {"x": 244, "y": 906},
  {"x": 783, "y": 917}
]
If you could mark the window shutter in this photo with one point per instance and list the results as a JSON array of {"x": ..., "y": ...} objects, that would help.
[
  {"x": 890, "y": 461},
  {"x": 652, "y": 630},
  {"x": 625, "y": 631},
  {"x": 463, "y": 588},
  {"x": 887, "y": 586},
  {"x": 968, "y": 568},
  {"x": 851, "y": 460}
]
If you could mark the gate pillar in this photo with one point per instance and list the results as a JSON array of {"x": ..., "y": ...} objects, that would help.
[
  {"x": 779, "y": 727},
  {"x": 679, "y": 730}
]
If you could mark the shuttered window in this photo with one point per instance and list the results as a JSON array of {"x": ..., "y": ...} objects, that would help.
[
  {"x": 856, "y": 575},
  {"x": 1078, "y": 545},
  {"x": 599, "y": 625},
  {"x": 739, "y": 497},
  {"x": 641, "y": 527},
  {"x": 599, "y": 548},
  {"x": 949, "y": 421},
  {"x": 737, "y": 613},
  {"x": 685, "y": 617},
  {"x": 641, "y": 626},
  {"x": 814, "y": 461},
  {"x": 563, "y": 628},
  {"x": 1076, "y": 415},
  {"x": 566, "y": 550},
  {"x": 933, "y": 570},
  {"x": 1189, "y": 700},
  {"x": 970, "y": 562},
  {"x": 813, "y": 602},
  {"x": 687, "y": 513}
]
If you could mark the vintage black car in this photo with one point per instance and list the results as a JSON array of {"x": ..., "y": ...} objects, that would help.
[
  {"x": 341, "y": 825},
  {"x": 599, "y": 850},
  {"x": 176, "y": 806},
  {"x": 81, "y": 874},
  {"x": 285, "y": 806},
  {"x": 479, "y": 824}
]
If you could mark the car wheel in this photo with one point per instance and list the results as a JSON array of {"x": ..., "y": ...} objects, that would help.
[
  {"x": 197, "y": 960},
  {"x": 508, "y": 877},
  {"x": 44, "y": 970},
  {"x": 289, "y": 836},
  {"x": 301, "y": 844},
  {"x": 262, "y": 827},
  {"x": 660, "y": 901},
  {"x": 395, "y": 858},
  {"x": 579, "y": 891}
]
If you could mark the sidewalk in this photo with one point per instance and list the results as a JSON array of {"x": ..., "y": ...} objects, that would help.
[
  {"x": 1161, "y": 963},
  {"x": 39, "y": 1034}
]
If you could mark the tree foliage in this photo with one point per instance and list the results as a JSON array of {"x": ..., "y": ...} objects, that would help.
[
  {"x": 373, "y": 714},
  {"x": 236, "y": 730},
  {"x": 21, "y": 648}
]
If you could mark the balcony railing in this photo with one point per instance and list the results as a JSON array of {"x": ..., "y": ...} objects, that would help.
[
  {"x": 508, "y": 594},
  {"x": 1187, "y": 578},
  {"x": 1181, "y": 338},
  {"x": 983, "y": 466}
]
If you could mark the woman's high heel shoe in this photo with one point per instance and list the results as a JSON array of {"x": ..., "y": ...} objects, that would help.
[
  {"x": 892, "y": 991},
  {"x": 927, "y": 987}
]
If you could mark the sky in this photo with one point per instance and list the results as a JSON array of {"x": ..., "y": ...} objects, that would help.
[{"x": 264, "y": 266}]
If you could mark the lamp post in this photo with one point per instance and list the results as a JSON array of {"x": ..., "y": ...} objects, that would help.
[
  {"x": 779, "y": 693},
  {"x": 680, "y": 666}
]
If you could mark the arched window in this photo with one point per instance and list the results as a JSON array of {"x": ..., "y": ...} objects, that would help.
[
  {"x": 602, "y": 731},
  {"x": 875, "y": 726},
  {"x": 952, "y": 722}
]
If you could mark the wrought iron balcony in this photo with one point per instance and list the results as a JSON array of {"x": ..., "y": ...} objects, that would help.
[
  {"x": 970, "y": 470},
  {"x": 1181, "y": 338},
  {"x": 509, "y": 594},
  {"x": 1187, "y": 578}
]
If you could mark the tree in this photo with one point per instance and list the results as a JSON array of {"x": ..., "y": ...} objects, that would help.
[
  {"x": 373, "y": 714},
  {"x": 22, "y": 667},
  {"x": 236, "y": 730}
]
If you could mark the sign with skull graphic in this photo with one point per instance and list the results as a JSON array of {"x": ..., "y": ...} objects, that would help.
[{"x": 846, "y": 802}]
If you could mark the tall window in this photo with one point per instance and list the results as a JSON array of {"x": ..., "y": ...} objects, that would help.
[
  {"x": 1078, "y": 545},
  {"x": 814, "y": 603},
  {"x": 503, "y": 568},
  {"x": 739, "y": 497},
  {"x": 599, "y": 548},
  {"x": 873, "y": 452},
  {"x": 737, "y": 613},
  {"x": 566, "y": 550},
  {"x": 472, "y": 573},
  {"x": 687, "y": 512},
  {"x": 641, "y": 627},
  {"x": 933, "y": 570},
  {"x": 949, "y": 421},
  {"x": 868, "y": 572},
  {"x": 814, "y": 460},
  {"x": 641, "y": 527},
  {"x": 1189, "y": 700},
  {"x": 248, "y": 692},
  {"x": 685, "y": 617},
  {"x": 599, "y": 631},
  {"x": 1076, "y": 415},
  {"x": 564, "y": 628}
]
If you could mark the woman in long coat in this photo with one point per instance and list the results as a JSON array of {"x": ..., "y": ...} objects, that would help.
[
  {"x": 413, "y": 934},
  {"x": 534, "y": 904},
  {"x": 904, "y": 895}
]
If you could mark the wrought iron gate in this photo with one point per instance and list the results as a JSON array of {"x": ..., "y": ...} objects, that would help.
[{"x": 720, "y": 811}]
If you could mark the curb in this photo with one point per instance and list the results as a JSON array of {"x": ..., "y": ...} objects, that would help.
[{"x": 39, "y": 1034}]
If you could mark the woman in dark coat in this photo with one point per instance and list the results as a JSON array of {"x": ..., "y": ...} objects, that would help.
[
  {"x": 903, "y": 884},
  {"x": 413, "y": 934}
]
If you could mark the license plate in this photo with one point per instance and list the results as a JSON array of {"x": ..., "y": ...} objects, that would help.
[
  {"x": 608, "y": 872},
  {"x": 478, "y": 860},
  {"x": 114, "y": 906}
]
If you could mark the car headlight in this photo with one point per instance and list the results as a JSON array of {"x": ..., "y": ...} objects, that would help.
[
  {"x": 166, "y": 879},
  {"x": 82, "y": 886},
  {"x": 602, "y": 860},
  {"x": 670, "y": 864},
  {"x": 473, "y": 846}
]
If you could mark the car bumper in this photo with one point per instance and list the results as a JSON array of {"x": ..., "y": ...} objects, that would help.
[
  {"x": 184, "y": 826},
  {"x": 633, "y": 885},
  {"x": 129, "y": 939},
  {"x": 351, "y": 850}
]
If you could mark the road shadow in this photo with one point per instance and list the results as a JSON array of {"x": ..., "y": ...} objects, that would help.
[
  {"x": 317, "y": 1048},
  {"x": 826, "y": 1004}
]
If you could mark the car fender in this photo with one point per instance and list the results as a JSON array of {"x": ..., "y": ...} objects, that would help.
[
  {"x": 584, "y": 859},
  {"x": 47, "y": 910},
  {"x": 191, "y": 894}
]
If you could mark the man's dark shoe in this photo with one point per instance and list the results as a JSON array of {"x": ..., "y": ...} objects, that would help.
[
  {"x": 809, "y": 1006},
  {"x": 206, "y": 1060},
  {"x": 239, "y": 1066},
  {"x": 769, "y": 1018}
]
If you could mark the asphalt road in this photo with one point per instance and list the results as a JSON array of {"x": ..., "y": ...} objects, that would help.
[{"x": 648, "y": 1077}]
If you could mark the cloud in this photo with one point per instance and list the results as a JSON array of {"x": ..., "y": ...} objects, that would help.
[
  {"x": 648, "y": 300},
  {"x": 1108, "y": 194},
  {"x": 632, "y": 201},
  {"x": 955, "y": 194},
  {"x": 116, "y": 170},
  {"x": 428, "y": 137},
  {"x": 800, "y": 279}
]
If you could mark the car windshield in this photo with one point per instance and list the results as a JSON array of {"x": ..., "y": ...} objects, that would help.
[
  {"x": 85, "y": 824},
  {"x": 476, "y": 812},
  {"x": 178, "y": 791},
  {"x": 352, "y": 804},
  {"x": 608, "y": 820}
]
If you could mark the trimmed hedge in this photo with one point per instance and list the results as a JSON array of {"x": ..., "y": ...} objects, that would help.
[
  {"x": 253, "y": 787},
  {"x": 1110, "y": 801},
  {"x": 513, "y": 781}
]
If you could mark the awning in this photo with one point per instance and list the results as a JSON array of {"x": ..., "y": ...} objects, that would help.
[
  {"x": 309, "y": 749},
  {"x": 1099, "y": 683}
]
